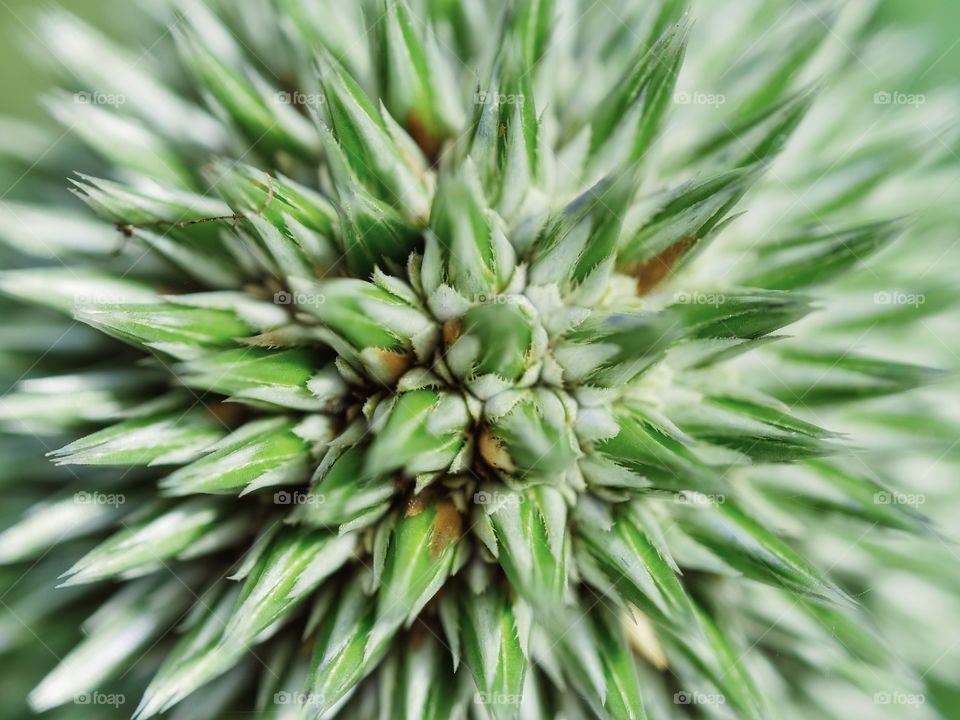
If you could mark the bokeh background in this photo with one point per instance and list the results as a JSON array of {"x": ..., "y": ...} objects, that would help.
[{"x": 21, "y": 74}]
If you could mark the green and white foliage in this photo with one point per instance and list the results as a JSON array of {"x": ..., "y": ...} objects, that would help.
[{"x": 481, "y": 359}]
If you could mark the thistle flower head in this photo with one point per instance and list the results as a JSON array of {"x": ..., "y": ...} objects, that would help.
[{"x": 446, "y": 374}]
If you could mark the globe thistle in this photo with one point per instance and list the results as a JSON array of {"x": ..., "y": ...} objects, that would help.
[{"x": 419, "y": 358}]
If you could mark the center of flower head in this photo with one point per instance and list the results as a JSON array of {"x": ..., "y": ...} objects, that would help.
[
  {"x": 459, "y": 392},
  {"x": 484, "y": 351}
]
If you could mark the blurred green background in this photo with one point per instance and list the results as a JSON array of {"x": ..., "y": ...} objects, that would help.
[{"x": 21, "y": 73}]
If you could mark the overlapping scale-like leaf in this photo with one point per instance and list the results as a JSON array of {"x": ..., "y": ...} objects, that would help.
[
  {"x": 380, "y": 152},
  {"x": 762, "y": 430},
  {"x": 376, "y": 328},
  {"x": 418, "y": 432},
  {"x": 747, "y": 545},
  {"x": 264, "y": 453},
  {"x": 529, "y": 434},
  {"x": 263, "y": 378},
  {"x": 119, "y": 630},
  {"x": 532, "y": 543},
  {"x": 173, "y": 438},
  {"x": 186, "y": 530},
  {"x": 493, "y": 650}
]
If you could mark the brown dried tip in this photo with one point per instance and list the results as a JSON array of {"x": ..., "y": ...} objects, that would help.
[
  {"x": 421, "y": 134},
  {"x": 414, "y": 506},
  {"x": 654, "y": 270},
  {"x": 392, "y": 364},
  {"x": 493, "y": 451},
  {"x": 451, "y": 330},
  {"x": 230, "y": 414},
  {"x": 417, "y": 635},
  {"x": 447, "y": 527}
]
